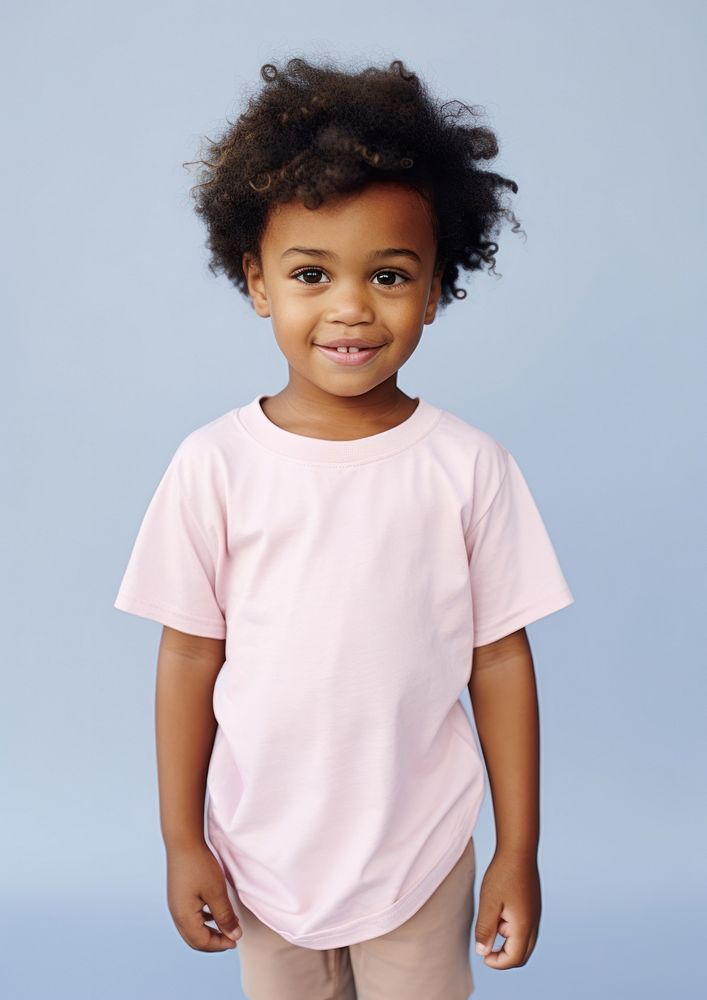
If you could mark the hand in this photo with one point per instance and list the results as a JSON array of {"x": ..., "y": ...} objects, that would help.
[
  {"x": 195, "y": 878},
  {"x": 510, "y": 905}
]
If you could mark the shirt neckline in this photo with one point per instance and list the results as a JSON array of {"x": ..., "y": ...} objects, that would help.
[{"x": 253, "y": 420}]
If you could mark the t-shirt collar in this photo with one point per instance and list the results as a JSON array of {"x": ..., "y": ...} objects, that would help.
[{"x": 251, "y": 417}]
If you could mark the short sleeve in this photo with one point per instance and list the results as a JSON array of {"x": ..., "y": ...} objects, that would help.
[
  {"x": 172, "y": 569},
  {"x": 515, "y": 574}
]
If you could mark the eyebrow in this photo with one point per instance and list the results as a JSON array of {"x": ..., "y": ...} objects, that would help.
[{"x": 374, "y": 255}]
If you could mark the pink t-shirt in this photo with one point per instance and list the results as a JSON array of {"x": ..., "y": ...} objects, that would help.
[{"x": 351, "y": 581}]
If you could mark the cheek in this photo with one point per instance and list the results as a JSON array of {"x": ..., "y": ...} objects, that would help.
[
  {"x": 291, "y": 312},
  {"x": 404, "y": 311}
]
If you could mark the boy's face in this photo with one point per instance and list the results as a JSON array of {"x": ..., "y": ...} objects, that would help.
[{"x": 357, "y": 286}]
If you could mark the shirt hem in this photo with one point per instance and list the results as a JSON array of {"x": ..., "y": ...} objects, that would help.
[
  {"x": 546, "y": 606},
  {"x": 386, "y": 920},
  {"x": 170, "y": 617}
]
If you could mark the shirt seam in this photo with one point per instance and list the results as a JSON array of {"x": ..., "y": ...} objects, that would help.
[
  {"x": 133, "y": 598},
  {"x": 202, "y": 533},
  {"x": 472, "y": 529},
  {"x": 314, "y": 938},
  {"x": 548, "y": 600},
  {"x": 324, "y": 464},
  {"x": 195, "y": 521}
]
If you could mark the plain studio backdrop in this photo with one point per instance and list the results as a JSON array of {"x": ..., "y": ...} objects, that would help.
[{"x": 586, "y": 359}]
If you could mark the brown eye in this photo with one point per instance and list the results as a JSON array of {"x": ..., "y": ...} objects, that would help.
[
  {"x": 392, "y": 274},
  {"x": 308, "y": 271},
  {"x": 304, "y": 275}
]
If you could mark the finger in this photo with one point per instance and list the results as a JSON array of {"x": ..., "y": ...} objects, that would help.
[
  {"x": 510, "y": 954},
  {"x": 222, "y": 913},
  {"x": 487, "y": 926},
  {"x": 209, "y": 918},
  {"x": 200, "y": 936},
  {"x": 215, "y": 940},
  {"x": 531, "y": 945}
]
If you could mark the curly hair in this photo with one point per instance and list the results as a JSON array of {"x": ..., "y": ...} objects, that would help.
[{"x": 316, "y": 131}]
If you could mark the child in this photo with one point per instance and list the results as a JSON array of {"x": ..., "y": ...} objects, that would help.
[{"x": 333, "y": 563}]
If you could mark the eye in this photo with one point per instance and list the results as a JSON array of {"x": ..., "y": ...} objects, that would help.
[
  {"x": 317, "y": 271},
  {"x": 395, "y": 274},
  {"x": 308, "y": 270}
]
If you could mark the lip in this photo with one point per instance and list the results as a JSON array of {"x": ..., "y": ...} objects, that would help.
[
  {"x": 343, "y": 358},
  {"x": 344, "y": 342}
]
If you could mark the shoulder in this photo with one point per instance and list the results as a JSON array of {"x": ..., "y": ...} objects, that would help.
[
  {"x": 203, "y": 459},
  {"x": 208, "y": 438},
  {"x": 474, "y": 451}
]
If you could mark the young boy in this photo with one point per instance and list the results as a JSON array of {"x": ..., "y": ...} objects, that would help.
[{"x": 333, "y": 563}]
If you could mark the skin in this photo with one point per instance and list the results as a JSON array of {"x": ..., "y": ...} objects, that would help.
[
  {"x": 504, "y": 701},
  {"x": 346, "y": 294}
]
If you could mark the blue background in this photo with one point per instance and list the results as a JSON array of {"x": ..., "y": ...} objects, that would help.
[{"x": 586, "y": 360}]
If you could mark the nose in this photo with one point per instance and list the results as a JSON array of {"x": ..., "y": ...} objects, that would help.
[{"x": 349, "y": 303}]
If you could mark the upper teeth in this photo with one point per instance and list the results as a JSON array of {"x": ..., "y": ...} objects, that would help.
[{"x": 348, "y": 349}]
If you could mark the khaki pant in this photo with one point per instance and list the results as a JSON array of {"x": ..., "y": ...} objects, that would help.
[{"x": 425, "y": 958}]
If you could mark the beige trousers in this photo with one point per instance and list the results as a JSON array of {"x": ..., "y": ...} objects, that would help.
[{"x": 425, "y": 958}]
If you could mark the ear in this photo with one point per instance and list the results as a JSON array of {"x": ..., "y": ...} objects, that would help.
[
  {"x": 253, "y": 272},
  {"x": 435, "y": 294}
]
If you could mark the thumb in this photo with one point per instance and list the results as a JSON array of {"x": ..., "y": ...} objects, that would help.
[
  {"x": 486, "y": 929},
  {"x": 223, "y": 914}
]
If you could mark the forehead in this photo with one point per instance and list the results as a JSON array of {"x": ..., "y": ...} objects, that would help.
[{"x": 381, "y": 214}]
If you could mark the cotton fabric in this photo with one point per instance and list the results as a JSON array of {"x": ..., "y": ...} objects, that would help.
[
  {"x": 351, "y": 581},
  {"x": 426, "y": 958}
]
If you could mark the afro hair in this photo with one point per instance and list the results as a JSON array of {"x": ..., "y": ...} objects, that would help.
[{"x": 313, "y": 132}]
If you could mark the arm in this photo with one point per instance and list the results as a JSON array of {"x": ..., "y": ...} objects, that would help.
[
  {"x": 504, "y": 702},
  {"x": 185, "y": 728}
]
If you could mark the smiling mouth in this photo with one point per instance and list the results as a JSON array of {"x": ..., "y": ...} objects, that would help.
[
  {"x": 350, "y": 350},
  {"x": 353, "y": 345},
  {"x": 348, "y": 357}
]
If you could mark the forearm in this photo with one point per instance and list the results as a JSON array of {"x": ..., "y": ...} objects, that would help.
[
  {"x": 185, "y": 728},
  {"x": 504, "y": 701}
]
